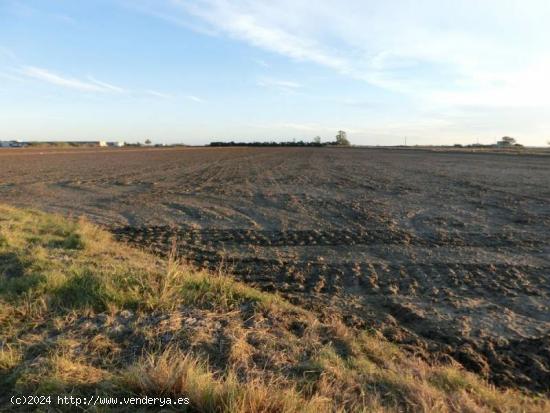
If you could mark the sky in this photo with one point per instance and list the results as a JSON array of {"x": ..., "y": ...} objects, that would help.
[{"x": 431, "y": 71}]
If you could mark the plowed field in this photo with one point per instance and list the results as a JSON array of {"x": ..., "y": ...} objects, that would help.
[{"x": 445, "y": 253}]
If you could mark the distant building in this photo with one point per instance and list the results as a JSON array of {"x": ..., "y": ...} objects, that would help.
[
  {"x": 11, "y": 144},
  {"x": 71, "y": 143},
  {"x": 115, "y": 144}
]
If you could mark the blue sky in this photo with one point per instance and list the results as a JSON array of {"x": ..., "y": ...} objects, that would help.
[{"x": 438, "y": 72}]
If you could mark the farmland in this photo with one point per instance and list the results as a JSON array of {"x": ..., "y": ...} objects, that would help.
[{"x": 444, "y": 253}]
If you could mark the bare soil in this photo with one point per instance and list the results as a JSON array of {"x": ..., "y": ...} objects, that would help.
[{"x": 446, "y": 253}]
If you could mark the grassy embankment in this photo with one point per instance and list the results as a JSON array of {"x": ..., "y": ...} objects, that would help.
[{"x": 81, "y": 314}]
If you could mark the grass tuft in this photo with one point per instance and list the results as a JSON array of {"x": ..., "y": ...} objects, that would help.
[{"x": 173, "y": 373}]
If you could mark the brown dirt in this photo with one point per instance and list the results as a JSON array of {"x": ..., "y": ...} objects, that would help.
[{"x": 445, "y": 253}]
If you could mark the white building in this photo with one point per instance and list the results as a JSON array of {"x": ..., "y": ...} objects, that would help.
[
  {"x": 10, "y": 144},
  {"x": 117, "y": 144}
]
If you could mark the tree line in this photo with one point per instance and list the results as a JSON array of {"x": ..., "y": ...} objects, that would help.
[
  {"x": 341, "y": 140},
  {"x": 298, "y": 143}
]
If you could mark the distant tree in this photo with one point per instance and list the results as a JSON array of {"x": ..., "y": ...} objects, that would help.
[
  {"x": 148, "y": 142},
  {"x": 506, "y": 141},
  {"x": 317, "y": 140},
  {"x": 342, "y": 139}
]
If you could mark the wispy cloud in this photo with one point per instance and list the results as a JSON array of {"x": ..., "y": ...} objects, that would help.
[
  {"x": 280, "y": 84},
  {"x": 158, "y": 94},
  {"x": 194, "y": 98},
  {"x": 90, "y": 85},
  {"x": 106, "y": 86},
  {"x": 466, "y": 52},
  {"x": 245, "y": 21},
  {"x": 156, "y": 9},
  {"x": 21, "y": 9}
]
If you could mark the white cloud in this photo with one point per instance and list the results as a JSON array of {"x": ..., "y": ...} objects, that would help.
[
  {"x": 466, "y": 52},
  {"x": 194, "y": 98},
  {"x": 246, "y": 21},
  {"x": 106, "y": 86},
  {"x": 280, "y": 84},
  {"x": 157, "y": 9},
  {"x": 92, "y": 85},
  {"x": 158, "y": 94}
]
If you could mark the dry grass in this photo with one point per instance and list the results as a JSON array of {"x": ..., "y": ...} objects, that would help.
[
  {"x": 174, "y": 373},
  {"x": 82, "y": 314},
  {"x": 10, "y": 357}
]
